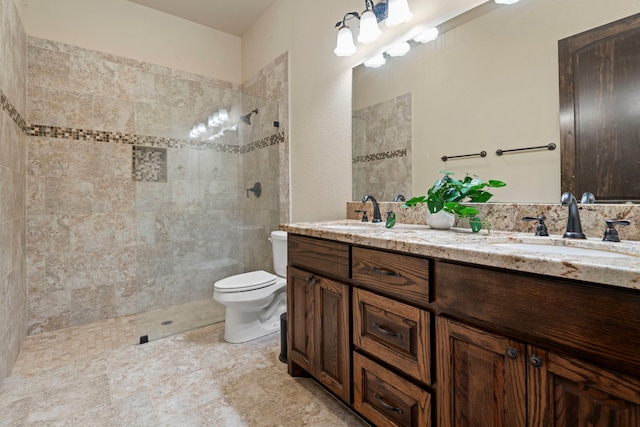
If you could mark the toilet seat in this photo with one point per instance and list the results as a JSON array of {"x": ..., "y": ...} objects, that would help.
[{"x": 246, "y": 282}]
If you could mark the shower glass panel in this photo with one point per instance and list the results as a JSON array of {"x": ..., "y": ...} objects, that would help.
[{"x": 190, "y": 199}]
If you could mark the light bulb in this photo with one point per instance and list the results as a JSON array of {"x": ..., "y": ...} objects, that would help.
[
  {"x": 345, "y": 45},
  {"x": 211, "y": 122},
  {"x": 400, "y": 49},
  {"x": 507, "y": 1},
  {"x": 202, "y": 129},
  {"x": 223, "y": 115},
  {"x": 369, "y": 30},
  {"x": 427, "y": 35},
  {"x": 375, "y": 61},
  {"x": 398, "y": 13}
]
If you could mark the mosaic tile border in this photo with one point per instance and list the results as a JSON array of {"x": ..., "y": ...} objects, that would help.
[
  {"x": 380, "y": 156},
  {"x": 148, "y": 141},
  {"x": 13, "y": 112},
  {"x": 130, "y": 139}
]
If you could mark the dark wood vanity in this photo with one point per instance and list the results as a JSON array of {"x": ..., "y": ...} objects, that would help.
[{"x": 408, "y": 340}]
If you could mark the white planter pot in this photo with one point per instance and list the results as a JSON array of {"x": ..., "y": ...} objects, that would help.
[{"x": 440, "y": 220}]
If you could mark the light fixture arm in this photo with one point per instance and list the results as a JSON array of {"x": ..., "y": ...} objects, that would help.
[{"x": 346, "y": 17}]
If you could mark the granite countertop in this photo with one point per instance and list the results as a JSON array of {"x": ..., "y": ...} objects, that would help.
[{"x": 621, "y": 269}]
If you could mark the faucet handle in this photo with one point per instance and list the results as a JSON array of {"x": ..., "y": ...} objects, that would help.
[
  {"x": 364, "y": 215},
  {"x": 611, "y": 234},
  {"x": 541, "y": 228}
]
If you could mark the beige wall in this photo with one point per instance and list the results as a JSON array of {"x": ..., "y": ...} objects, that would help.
[
  {"x": 127, "y": 29},
  {"x": 489, "y": 84},
  {"x": 320, "y": 92}
]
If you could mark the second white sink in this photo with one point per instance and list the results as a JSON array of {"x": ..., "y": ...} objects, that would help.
[{"x": 563, "y": 250}]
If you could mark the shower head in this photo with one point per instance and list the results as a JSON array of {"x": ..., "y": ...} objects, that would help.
[{"x": 246, "y": 119}]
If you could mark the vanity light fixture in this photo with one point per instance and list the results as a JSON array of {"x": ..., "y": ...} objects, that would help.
[
  {"x": 399, "y": 49},
  {"x": 369, "y": 30},
  {"x": 394, "y": 11},
  {"x": 376, "y": 61},
  {"x": 506, "y": 1},
  {"x": 399, "y": 13},
  {"x": 345, "y": 45}
]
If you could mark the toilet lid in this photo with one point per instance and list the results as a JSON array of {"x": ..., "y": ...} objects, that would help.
[{"x": 246, "y": 281}]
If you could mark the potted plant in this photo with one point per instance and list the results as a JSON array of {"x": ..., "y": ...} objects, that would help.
[{"x": 447, "y": 195}]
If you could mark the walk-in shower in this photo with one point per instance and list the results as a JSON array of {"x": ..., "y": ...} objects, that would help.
[{"x": 197, "y": 227}]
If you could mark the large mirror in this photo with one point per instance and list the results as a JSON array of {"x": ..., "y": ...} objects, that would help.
[{"x": 485, "y": 84}]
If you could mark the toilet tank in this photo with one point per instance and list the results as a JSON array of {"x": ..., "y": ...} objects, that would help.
[{"x": 279, "y": 247}]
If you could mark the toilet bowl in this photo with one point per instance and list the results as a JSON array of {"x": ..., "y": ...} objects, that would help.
[{"x": 255, "y": 300}]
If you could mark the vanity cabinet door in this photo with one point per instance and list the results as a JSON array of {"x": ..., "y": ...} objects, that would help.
[
  {"x": 481, "y": 377},
  {"x": 300, "y": 320},
  {"x": 319, "y": 330},
  {"x": 564, "y": 392},
  {"x": 332, "y": 349}
]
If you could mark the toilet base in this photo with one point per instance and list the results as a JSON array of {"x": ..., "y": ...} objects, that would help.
[{"x": 242, "y": 326}]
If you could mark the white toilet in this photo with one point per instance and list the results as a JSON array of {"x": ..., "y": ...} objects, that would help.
[{"x": 254, "y": 301}]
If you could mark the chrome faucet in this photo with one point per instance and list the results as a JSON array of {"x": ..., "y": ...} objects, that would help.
[
  {"x": 399, "y": 198},
  {"x": 574, "y": 227},
  {"x": 376, "y": 209}
]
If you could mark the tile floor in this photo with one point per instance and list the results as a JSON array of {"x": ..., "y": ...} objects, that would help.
[{"x": 93, "y": 375}]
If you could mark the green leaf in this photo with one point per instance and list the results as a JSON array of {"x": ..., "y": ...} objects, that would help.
[
  {"x": 476, "y": 224},
  {"x": 414, "y": 202},
  {"x": 391, "y": 220},
  {"x": 480, "y": 196},
  {"x": 434, "y": 203},
  {"x": 495, "y": 183}
]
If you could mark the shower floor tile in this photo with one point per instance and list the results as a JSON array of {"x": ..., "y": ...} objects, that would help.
[
  {"x": 172, "y": 320},
  {"x": 188, "y": 379}
]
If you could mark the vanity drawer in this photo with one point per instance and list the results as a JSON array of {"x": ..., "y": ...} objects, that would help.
[
  {"x": 394, "y": 332},
  {"x": 318, "y": 256},
  {"x": 400, "y": 276},
  {"x": 387, "y": 399}
]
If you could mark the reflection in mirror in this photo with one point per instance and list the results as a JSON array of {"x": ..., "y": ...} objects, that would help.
[
  {"x": 487, "y": 83},
  {"x": 381, "y": 143}
]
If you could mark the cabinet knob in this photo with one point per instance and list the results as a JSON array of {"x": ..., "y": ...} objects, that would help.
[
  {"x": 535, "y": 360},
  {"x": 310, "y": 279},
  {"x": 511, "y": 353}
]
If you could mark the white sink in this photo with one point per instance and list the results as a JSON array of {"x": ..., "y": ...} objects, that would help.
[
  {"x": 352, "y": 227},
  {"x": 563, "y": 250}
]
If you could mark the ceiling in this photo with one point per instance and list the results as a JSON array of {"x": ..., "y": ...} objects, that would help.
[{"x": 229, "y": 16}]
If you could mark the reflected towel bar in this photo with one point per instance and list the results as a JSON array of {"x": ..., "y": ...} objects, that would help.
[
  {"x": 549, "y": 147},
  {"x": 481, "y": 154}
]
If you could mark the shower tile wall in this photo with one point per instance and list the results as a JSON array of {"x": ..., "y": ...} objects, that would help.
[
  {"x": 268, "y": 91},
  {"x": 13, "y": 292},
  {"x": 382, "y": 149},
  {"x": 101, "y": 245}
]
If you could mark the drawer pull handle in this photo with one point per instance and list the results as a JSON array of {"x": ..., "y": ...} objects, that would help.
[
  {"x": 385, "y": 272},
  {"x": 386, "y": 405},
  {"x": 387, "y": 332}
]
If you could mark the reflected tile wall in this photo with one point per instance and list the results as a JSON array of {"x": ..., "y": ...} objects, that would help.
[
  {"x": 382, "y": 149},
  {"x": 13, "y": 285},
  {"x": 102, "y": 245}
]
